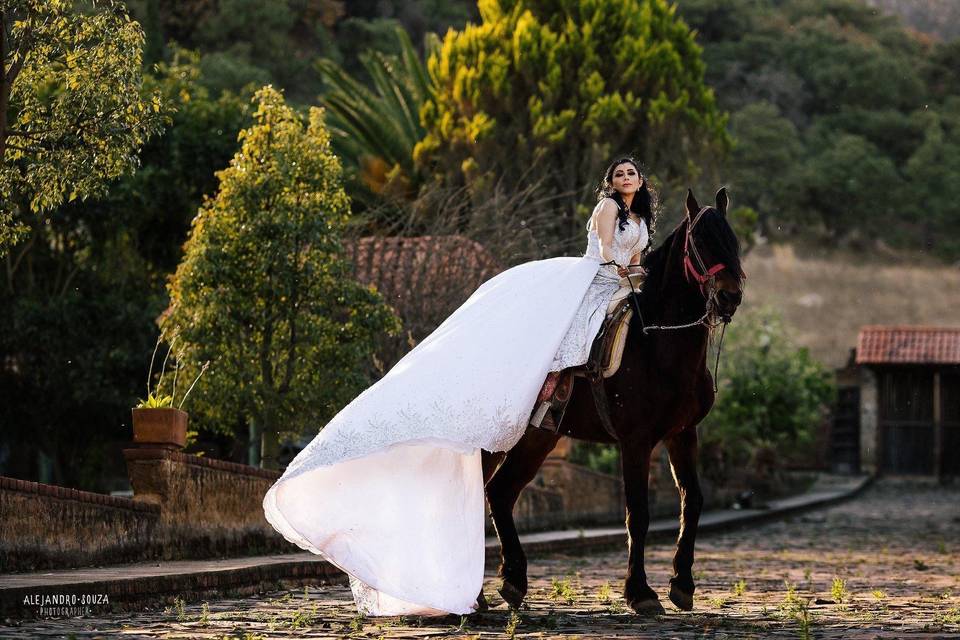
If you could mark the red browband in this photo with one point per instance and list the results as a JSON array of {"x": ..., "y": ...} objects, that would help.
[{"x": 689, "y": 268}]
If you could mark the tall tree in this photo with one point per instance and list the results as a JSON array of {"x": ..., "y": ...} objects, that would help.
[
  {"x": 554, "y": 89},
  {"x": 264, "y": 291},
  {"x": 72, "y": 117}
]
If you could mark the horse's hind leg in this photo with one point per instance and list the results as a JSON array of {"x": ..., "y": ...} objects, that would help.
[
  {"x": 517, "y": 470},
  {"x": 683, "y": 461}
]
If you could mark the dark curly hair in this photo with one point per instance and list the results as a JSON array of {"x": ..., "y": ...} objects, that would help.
[{"x": 645, "y": 202}]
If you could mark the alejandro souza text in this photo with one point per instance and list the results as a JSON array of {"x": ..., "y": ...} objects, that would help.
[{"x": 64, "y": 604}]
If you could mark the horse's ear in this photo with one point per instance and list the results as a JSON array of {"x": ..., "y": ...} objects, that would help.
[
  {"x": 692, "y": 207},
  {"x": 722, "y": 201}
]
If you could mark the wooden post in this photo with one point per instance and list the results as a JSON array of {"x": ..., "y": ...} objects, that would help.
[{"x": 937, "y": 426}]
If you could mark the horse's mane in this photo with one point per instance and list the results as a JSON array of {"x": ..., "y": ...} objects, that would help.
[{"x": 713, "y": 234}]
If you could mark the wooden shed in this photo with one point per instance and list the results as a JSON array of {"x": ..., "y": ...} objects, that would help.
[{"x": 908, "y": 383}]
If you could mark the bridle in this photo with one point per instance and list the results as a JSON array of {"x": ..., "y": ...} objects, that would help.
[
  {"x": 704, "y": 275},
  {"x": 705, "y": 278}
]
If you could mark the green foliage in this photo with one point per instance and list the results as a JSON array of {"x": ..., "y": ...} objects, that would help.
[
  {"x": 263, "y": 290},
  {"x": 376, "y": 129},
  {"x": 155, "y": 402},
  {"x": 839, "y": 119},
  {"x": 245, "y": 42},
  {"x": 838, "y": 591},
  {"x": 932, "y": 174},
  {"x": 844, "y": 182},
  {"x": 770, "y": 393},
  {"x": 599, "y": 457},
  {"x": 765, "y": 153},
  {"x": 552, "y": 89},
  {"x": 157, "y": 203},
  {"x": 74, "y": 117}
]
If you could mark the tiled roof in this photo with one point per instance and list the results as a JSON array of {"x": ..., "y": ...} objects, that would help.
[
  {"x": 421, "y": 275},
  {"x": 905, "y": 344}
]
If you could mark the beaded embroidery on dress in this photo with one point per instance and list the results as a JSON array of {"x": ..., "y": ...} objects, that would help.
[{"x": 390, "y": 490}]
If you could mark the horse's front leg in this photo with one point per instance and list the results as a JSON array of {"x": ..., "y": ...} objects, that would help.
[
  {"x": 635, "y": 460},
  {"x": 683, "y": 462}
]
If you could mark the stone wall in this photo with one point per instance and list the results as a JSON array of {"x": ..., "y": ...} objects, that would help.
[
  {"x": 565, "y": 495},
  {"x": 47, "y": 527},
  {"x": 209, "y": 508}
]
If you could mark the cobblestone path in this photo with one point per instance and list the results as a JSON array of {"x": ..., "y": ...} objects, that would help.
[{"x": 884, "y": 565}]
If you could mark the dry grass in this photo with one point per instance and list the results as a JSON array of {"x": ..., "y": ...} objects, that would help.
[{"x": 825, "y": 300}]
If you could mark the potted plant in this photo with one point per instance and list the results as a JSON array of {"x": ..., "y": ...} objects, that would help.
[{"x": 156, "y": 422}]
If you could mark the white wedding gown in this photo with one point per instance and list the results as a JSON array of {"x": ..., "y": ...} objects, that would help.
[{"x": 391, "y": 489}]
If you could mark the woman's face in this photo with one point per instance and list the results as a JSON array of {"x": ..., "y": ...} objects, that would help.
[{"x": 626, "y": 179}]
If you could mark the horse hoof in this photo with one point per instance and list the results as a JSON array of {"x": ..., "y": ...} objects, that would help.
[
  {"x": 682, "y": 600},
  {"x": 511, "y": 594},
  {"x": 648, "y": 607},
  {"x": 482, "y": 603}
]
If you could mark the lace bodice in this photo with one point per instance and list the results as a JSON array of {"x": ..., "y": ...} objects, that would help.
[{"x": 626, "y": 242}]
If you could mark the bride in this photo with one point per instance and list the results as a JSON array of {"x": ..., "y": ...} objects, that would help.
[{"x": 391, "y": 489}]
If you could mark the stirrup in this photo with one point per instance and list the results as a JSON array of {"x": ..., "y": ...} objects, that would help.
[{"x": 538, "y": 417}]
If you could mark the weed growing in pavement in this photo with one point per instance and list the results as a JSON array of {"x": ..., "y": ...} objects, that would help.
[
  {"x": 562, "y": 590},
  {"x": 272, "y": 621},
  {"x": 512, "y": 623},
  {"x": 205, "y": 614},
  {"x": 301, "y": 618},
  {"x": 941, "y": 547},
  {"x": 617, "y": 606},
  {"x": 839, "y": 591},
  {"x": 950, "y": 616},
  {"x": 718, "y": 602},
  {"x": 739, "y": 587},
  {"x": 790, "y": 599},
  {"x": 920, "y": 565},
  {"x": 804, "y": 620},
  {"x": 605, "y": 593},
  {"x": 798, "y": 609},
  {"x": 878, "y": 595},
  {"x": 356, "y": 622},
  {"x": 179, "y": 607}
]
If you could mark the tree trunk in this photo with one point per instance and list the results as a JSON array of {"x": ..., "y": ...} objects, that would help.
[
  {"x": 269, "y": 446},
  {"x": 253, "y": 444}
]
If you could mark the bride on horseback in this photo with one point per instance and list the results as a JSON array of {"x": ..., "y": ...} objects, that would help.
[{"x": 391, "y": 490}]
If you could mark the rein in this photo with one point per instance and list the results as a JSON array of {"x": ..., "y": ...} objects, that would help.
[{"x": 703, "y": 277}]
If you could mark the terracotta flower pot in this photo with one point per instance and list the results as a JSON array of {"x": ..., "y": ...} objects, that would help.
[{"x": 165, "y": 428}]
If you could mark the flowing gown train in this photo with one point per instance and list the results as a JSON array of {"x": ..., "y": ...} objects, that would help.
[{"x": 391, "y": 489}]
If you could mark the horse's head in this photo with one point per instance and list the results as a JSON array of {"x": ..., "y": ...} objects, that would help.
[{"x": 712, "y": 253}]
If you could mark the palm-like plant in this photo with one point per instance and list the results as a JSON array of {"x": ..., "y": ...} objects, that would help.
[{"x": 375, "y": 129}]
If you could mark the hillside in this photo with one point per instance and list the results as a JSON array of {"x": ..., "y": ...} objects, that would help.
[
  {"x": 939, "y": 18},
  {"x": 825, "y": 300}
]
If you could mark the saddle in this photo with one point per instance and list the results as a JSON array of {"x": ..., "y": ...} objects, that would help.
[{"x": 604, "y": 359}]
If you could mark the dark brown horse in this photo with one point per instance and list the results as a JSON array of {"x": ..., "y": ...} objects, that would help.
[{"x": 662, "y": 390}]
